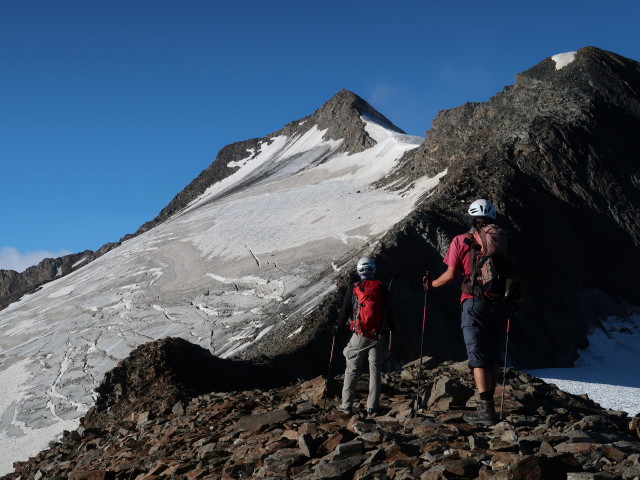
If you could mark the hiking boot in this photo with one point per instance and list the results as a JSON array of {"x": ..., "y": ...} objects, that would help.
[
  {"x": 344, "y": 409},
  {"x": 372, "y": 412},
  {"x": 484, "y": 415}
]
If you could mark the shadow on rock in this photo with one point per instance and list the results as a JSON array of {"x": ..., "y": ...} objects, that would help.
[{"x": 160, "y": 377}]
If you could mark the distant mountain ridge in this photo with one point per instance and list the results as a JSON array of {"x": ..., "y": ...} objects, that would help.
[
  {"x": 13, "y": 285},
  {"x": 340, "y": 117}
]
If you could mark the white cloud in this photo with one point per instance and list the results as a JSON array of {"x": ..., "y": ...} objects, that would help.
[{"x": 12, "y": 259}]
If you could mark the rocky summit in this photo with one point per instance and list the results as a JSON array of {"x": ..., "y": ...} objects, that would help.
[{"x": 154, "y": 420}]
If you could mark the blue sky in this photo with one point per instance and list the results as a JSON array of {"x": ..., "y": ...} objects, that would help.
[{"x": 109, "y": 108}]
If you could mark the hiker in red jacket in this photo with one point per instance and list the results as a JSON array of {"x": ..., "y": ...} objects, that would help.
[
  {"x": 482, "y": 316},
  {"x": 365, "y": 308}
]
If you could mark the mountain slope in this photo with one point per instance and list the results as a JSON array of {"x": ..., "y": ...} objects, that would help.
[
  {"x": 557, "y": 153},
  {"x": 236, "y": 270},
  {"x": 339, "y": 119}
]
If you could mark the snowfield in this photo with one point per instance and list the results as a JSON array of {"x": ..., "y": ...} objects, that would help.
[
  {"x": 255, "y": 252},
  {"x": 607, "y": 370}
]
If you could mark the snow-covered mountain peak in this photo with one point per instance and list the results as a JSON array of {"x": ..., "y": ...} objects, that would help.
[
  {"x": 236, "y": 270},
  {"x": 340, "y": 119}
]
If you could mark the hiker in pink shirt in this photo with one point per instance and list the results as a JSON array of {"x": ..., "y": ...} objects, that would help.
[{"x": 482, "y": 319}]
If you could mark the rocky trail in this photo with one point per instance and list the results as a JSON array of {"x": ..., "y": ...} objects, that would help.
[{"x": 154, "y": 419}]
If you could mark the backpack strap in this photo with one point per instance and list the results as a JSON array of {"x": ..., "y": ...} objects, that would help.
[
  {"x": 470, "y": 240},
  {"x": 469, "y": 281},
  {"x": 356, "y": 306}
]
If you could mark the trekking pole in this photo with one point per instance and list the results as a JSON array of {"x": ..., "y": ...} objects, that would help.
[
  {"x": 389, "y": 354},
  {"x": 326, "y": 381},
  {"x": 424, "y": 321},
  {"x": 504, "y": 368},
  {"x": 389, "y": 346}
]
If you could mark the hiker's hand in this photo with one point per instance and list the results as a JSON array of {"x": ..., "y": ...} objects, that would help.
[
  {"x": 334, "y": 329},
  {"x": 427, "y": 282}
]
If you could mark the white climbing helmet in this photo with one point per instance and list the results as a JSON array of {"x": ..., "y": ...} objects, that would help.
[
  {"x": 366, "y": 266},
  {"x": 482, "y": 208}
]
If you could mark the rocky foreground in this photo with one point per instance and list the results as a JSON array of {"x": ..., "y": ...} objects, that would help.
[{"x": 152, "y": 420}]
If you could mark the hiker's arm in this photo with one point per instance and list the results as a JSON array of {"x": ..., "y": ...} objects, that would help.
[{"x": 446, "y": 277}]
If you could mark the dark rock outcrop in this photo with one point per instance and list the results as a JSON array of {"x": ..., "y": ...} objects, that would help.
[
  {"x": 157, "y": 375},
  {"x": 164, "y": 426},
  {"x": 557, "y": 154}
]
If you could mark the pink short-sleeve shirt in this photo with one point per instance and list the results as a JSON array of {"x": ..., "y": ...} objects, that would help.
[{"x": 457, "y": 256}]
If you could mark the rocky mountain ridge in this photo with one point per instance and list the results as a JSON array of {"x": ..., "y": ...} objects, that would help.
[
  {"x": 171, "y": 410},
  {"x": 13, "y": 285},
  {"x": 556, "y": 153},
  {"x": 340, "y": 116}
]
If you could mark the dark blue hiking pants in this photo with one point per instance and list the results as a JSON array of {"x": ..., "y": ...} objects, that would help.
[{"x": 483, "y": 328}]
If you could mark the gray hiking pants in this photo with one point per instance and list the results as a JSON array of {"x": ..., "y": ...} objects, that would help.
[{"x": 356, "y": 352}]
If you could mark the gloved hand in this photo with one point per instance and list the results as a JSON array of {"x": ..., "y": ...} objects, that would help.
[
  {"x": 427, "y": 282},
  {"x": 334, "y": 328}
]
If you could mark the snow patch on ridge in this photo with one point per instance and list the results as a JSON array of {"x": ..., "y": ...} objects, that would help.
[
  {"x": 563, "y": 59},
  {"x": 316, "y": 200},
  {"x": 278, "y": 151},
  {"x": 80, "y": 262}
]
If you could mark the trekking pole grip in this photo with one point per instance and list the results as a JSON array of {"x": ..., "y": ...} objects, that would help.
[{"x": 425, "y": 281}]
